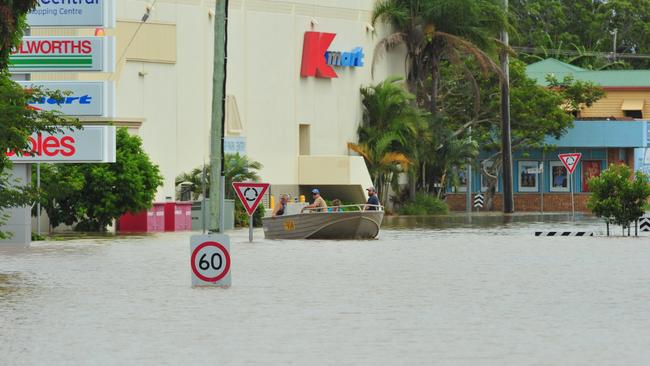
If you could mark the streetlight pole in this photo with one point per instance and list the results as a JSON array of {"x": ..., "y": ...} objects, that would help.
[
  {"x": 506, "y": 143},
  {"x": 218, "y": 113}
]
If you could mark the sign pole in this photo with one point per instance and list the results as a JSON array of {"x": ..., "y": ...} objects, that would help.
[
  {"x": 250, "y": 228},
  {"x": 38, "y": 203},
  {"x": 573, "y": 209}
]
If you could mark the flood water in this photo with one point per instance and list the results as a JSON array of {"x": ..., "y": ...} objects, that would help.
[{"x": 440, "y": 291}]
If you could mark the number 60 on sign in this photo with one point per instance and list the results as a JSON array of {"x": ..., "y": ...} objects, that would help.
[{"x": 210, "y": 260}]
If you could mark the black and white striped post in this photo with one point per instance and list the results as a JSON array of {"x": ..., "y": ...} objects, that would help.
[{"x": 479, "y": 201}]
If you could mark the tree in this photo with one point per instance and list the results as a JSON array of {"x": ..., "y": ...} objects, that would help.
[
  {"x": 390, "y": 133},
  {"x": 537, "y": 111},
  {"x": 237, "y": 168},
  {"x": 17, "y": 121},
  {"x": 584, "y": 25},
  {"x": 437, "y": 31},
  {"x": 97, "y": 194},
  {"x": 617, "y": 196}
]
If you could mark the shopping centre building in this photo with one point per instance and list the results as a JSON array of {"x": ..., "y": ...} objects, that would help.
[{"x": 285, "y": 108}]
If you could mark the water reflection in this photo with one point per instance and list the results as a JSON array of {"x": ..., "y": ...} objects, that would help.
[{"x": 495, "y": 220}]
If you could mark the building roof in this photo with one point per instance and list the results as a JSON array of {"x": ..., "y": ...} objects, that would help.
[{"x": 604, "y": 78}]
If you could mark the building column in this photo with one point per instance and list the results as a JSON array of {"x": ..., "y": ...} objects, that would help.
[{"x": 19, "y": 223}]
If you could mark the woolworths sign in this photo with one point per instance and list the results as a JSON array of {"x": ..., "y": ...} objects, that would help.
[
  {"x": 73, "y": 13},
  {"x": 44, "y": 54}
]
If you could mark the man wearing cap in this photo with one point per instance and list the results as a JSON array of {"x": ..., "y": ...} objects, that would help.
[
  {"x": 319, "y": 204},
  {"x": 373, "y": 200}
]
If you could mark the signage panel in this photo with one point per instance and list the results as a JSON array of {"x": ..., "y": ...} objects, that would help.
[
  {"x": 93, "y": 144},
  {"x": 234, "y": 145},
  {"x": 63, "y": 53},
  {"x": 317, "y": 59},
  {"x": 73, "y": 13},
  {"x": 86, "y": 98}
]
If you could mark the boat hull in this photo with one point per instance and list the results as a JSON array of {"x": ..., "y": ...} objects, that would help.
[{"x": 324, "y": 225}]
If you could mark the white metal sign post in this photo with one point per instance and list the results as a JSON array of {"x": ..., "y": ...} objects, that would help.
[
  {"x": 210, "y": 260},
  {"x": 570, "y": 162},
  {"x": 250, "y": 195}
]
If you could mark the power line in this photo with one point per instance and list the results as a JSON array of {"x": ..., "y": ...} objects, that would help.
[{"x": 549, "y": 52}]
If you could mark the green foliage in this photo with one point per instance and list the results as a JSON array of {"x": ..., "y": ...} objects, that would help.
[
  {"x": 390, "y": 132},
  {"x": 618, "y": 196},
  {"x": 241, "y": 216},
  {"x": 581, "y": 25},
  {"x": 93, "y": 195},
  {"x": 17, "y": 121},
  {"x": 12, "y": 26},
  {"x": 237, "y": 168},
  {"x": 425, "y": 204}
]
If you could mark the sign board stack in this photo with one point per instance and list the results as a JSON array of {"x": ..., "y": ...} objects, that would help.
[{"x": 88, "y": 99}]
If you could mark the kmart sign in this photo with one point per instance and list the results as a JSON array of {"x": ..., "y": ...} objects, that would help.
[
  {"x": 43, "y": 54},
  {"x": 73, "y": 13}
]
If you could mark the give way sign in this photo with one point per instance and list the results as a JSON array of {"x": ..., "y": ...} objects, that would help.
[
  {"x": 570, "y": 161},
  {"x": 250, "y": 194}
]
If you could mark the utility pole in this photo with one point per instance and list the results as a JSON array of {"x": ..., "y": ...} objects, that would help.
[
  {"x": 218, "y": 113},
  {"x": 506, "y": 143},
  {"x": 468, "y": 198}
]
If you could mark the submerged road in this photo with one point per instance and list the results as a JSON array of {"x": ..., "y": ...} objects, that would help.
[{"x": 426, "y": 292}]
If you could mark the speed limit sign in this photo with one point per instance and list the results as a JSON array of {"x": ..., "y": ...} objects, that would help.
[{"x": 210, "y": 260}]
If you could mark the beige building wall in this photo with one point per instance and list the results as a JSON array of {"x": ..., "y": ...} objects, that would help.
[{"x": 164, "y": 82}]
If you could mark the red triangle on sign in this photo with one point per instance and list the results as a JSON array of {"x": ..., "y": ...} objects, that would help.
[
  {"x": 570, "y": 161},
  {"x": 250, "y": 194}
]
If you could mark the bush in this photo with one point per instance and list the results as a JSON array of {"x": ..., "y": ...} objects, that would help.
[
  {"x": 425, "y": 204},
  {"x": 241, "y": 216},
  {"x": 618, "y": 196}
]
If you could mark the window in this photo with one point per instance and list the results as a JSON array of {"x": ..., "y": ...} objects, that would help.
[
  {"x": 304, "y": 147},
  {"x": 559, "y": 177},
  {"x": 633, "y": 108},
  {"x": 528, "y": 171},
  {"x": 590, "y": 169},
  {"x": 633, "y": 114}
]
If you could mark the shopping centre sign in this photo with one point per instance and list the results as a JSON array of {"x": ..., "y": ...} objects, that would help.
[
  {"x": 80, "y": 99},
  {"x": 317, "y": 59},
  {"x": 44, "y": 54},
  {"x": 93, "y": 144},
  {"x": 73, "y": 13}
]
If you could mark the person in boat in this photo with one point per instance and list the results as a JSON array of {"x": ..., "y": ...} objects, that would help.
[
  {"x": 319, "y": 204},
  {"x": 281, "y": 208},
  {"x": 336, "y": 206},
  {"x": 373, "y": 201}
]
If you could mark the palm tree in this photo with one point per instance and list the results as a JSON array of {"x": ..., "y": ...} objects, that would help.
[
  {"x": 237, "y": 168},
  {"x": 390, "y": 132},
  {"x": 434, "y": 31},
  {"x": 384, "y": 165}
]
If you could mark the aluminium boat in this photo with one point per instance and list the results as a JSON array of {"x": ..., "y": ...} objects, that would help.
[{"x": 342, "y": 224}]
